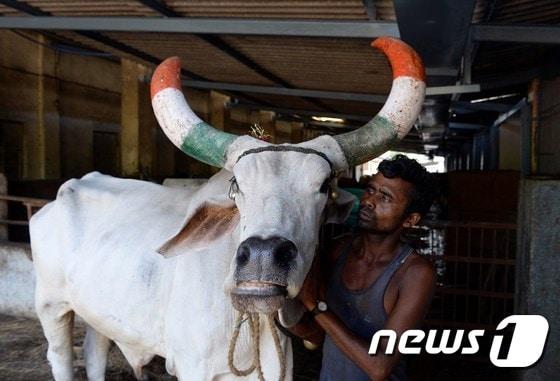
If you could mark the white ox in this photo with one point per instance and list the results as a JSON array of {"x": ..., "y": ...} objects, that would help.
[{"x": 95, "y": 248}]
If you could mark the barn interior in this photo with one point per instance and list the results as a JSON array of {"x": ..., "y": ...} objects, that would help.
[{"x": 74, "y": 98}]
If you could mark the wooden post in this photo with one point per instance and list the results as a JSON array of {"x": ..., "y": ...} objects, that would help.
[
  {"x": 297, "y": 132},
  {"x": 137, "y": 124},
  {"x": 42, "y": 138}
]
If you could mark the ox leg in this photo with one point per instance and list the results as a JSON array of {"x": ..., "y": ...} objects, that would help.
[
  {"x": 96, "y": 349},
  {"x": 57, "y": 321}
]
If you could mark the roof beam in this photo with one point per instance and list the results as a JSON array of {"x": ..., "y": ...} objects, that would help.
[
  {"x": 506, "y": 115},
  {"x": 303, "y": 112},
  {"x": 306, "y": 93},
  {"x": 537, "y": 34},
  {"x": 480, "y": 106},
  {"x": 341, "y": 29}
]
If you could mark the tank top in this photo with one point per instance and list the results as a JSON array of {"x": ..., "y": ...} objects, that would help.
[{"x": 363, "y": 312}]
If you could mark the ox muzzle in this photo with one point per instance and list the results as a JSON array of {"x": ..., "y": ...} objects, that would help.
[{"x": 261, "y": 274}]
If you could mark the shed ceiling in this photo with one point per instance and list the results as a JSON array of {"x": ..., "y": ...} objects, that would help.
[{"x": 312, "y": 63}]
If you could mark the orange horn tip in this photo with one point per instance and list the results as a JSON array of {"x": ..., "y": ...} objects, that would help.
[
  {"x": 404, "y": 60},
  {"x": 167, "y": 74}
]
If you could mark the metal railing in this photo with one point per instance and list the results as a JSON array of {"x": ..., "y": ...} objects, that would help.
[
  {"x": 31, "y": 205},
  {"x": 476, "y": 273}
]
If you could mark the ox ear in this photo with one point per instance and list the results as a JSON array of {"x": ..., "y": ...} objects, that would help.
[
  {"x": 209, "y": 222},
  {"x": 339, "y": 209}
]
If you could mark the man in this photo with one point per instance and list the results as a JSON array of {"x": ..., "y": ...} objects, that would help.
[{"x": 375, "y": 281}]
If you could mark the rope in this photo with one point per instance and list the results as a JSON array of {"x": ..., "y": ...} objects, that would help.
[
  {"x": 281, "y": 354},
  {"x": 254, "y": 326}
]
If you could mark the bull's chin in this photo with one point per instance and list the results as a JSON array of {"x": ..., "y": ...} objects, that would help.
[{"x": 259, "y": 297}]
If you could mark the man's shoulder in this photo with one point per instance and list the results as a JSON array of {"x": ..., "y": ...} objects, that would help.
[{"x": 418, "y": 269}]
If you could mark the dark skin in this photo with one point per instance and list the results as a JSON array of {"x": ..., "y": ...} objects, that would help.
[{"x": 382, "y": 219}]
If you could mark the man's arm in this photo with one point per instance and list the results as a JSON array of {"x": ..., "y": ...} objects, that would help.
[
  {"x": 415, "y": 293},
  {"x": 315, "y": 285}
]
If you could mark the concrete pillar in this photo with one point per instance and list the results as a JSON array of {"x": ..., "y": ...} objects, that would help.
[
  {"x": 42, "y": 138},
  {"x": 547, "y": 133},
  {"x": 137, "y": 122},
  {"x": 538, "y": 261}
]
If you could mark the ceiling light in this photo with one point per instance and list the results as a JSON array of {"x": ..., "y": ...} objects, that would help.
[{"x": 327, "y": 119}]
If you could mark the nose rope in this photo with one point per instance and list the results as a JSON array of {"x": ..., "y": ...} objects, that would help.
[{"x": 254, "y": 326}]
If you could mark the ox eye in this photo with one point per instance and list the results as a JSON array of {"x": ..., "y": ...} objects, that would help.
[
  {"x": 233, "y": 188},
  {"x": 326, "y": 186}
]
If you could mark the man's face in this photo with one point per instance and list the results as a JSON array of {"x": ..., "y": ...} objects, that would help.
[{"x": 383, "y": 205}]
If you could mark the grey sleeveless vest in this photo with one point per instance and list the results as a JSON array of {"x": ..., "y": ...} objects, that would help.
[{"x": 363, "y": 313}]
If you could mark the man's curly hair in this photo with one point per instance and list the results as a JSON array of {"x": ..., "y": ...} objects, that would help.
[{"x": 425, "y": 188}]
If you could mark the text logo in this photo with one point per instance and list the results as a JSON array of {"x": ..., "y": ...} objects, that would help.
[{"x": 520, "y": 349}]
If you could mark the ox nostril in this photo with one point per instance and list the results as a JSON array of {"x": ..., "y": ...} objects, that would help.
[
  {"x": 284, "y": 254},
  {"x": 243, "y": 254}
]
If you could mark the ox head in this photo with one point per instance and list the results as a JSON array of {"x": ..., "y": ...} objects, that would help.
[{"x": 282, "y": 193}]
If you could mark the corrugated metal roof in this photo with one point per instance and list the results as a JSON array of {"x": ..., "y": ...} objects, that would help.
[
  {"x": 92, "y": 8},
  {"x": 385, "y": 10},
  {"x": 319, "y": 64},
  {"x": 7, "y": 11},
  {"x": 481, "y": 11},
  {"x": 526, "y": 11},
  {"x": 292, "y": 9},
  {"x": 505, "y": 59},
  {"x": 495, "y": 60}
]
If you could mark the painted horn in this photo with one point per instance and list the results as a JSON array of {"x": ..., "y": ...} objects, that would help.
[
  {"x": 400, "y": 110},
  {"x": 181, "y": 125}
]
